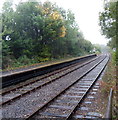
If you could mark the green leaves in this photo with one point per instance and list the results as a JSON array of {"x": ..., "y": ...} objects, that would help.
[
  {"x": 108, "y": 19},
  {"x": 40, "y": 32}
]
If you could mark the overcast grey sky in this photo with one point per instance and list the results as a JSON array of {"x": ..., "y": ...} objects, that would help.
[{"x": 86, "y": 15}]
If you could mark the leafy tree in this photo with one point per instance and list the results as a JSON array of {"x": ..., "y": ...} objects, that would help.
[
  {"x": 38, "y": 32},
  {"x": 108, "y": 22}
]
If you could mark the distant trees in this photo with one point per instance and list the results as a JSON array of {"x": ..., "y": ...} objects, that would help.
[
  {"x": 35, "y": 32},
  {"x": 97, "y": 48}
]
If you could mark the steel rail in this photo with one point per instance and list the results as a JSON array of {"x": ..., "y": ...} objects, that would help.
[
  {"x": 108, "y": 114},
  {"x": 24, "y": 75},
  {"x": 28, "y": 116},
  {"x": 69, "y": 115},
  {"x": 45, "y": 76},
  {"x": 50, "y": 81},
  {"x": 85, "y": 94}
]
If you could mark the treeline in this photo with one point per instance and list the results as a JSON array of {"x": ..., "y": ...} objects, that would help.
[{"x": 33, "y": 32}]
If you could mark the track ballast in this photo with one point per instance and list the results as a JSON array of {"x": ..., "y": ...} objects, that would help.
[{"x": 60, "y": 97}]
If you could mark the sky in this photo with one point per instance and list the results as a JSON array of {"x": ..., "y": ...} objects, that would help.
[{"x": 86, "y": 15}]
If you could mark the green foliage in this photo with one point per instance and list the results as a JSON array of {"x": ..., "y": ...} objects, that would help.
[
  {"x": 97, "y": 48},
  {"x": 114, "y": 58},
  {"x": 108, "y": 22},
  {"x": 109, "y": 26},
  {"x": 36, "y": 32}
]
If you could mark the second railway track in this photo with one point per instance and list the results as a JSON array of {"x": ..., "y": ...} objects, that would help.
[
  {"x": 23, "y": 89},
  {"x": 34, "y": 103}
]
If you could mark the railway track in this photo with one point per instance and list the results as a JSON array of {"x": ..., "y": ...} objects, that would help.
[
  {"x": 23, "y": 89},
  {"x": 65, "y": 105},
  {"x": 34, "y": 104},
  {"x": 21, "y": 75},
  {"x": 90, "y": 106},
  {"x": 35, "y": 79}
]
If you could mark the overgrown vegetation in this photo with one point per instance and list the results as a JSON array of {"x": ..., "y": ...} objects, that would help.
[
  {"x": 34, "y": 32},
  {"x": 108, "y": 20},
  {"x": 109, "y": 81},
  {"x": 109, "y": 27}
]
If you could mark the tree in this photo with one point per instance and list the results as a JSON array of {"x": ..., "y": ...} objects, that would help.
[
  {"x": 109, "y": 24},
  {"x": 109, "y": 21},
  {"x": 33, "y": 31}
]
